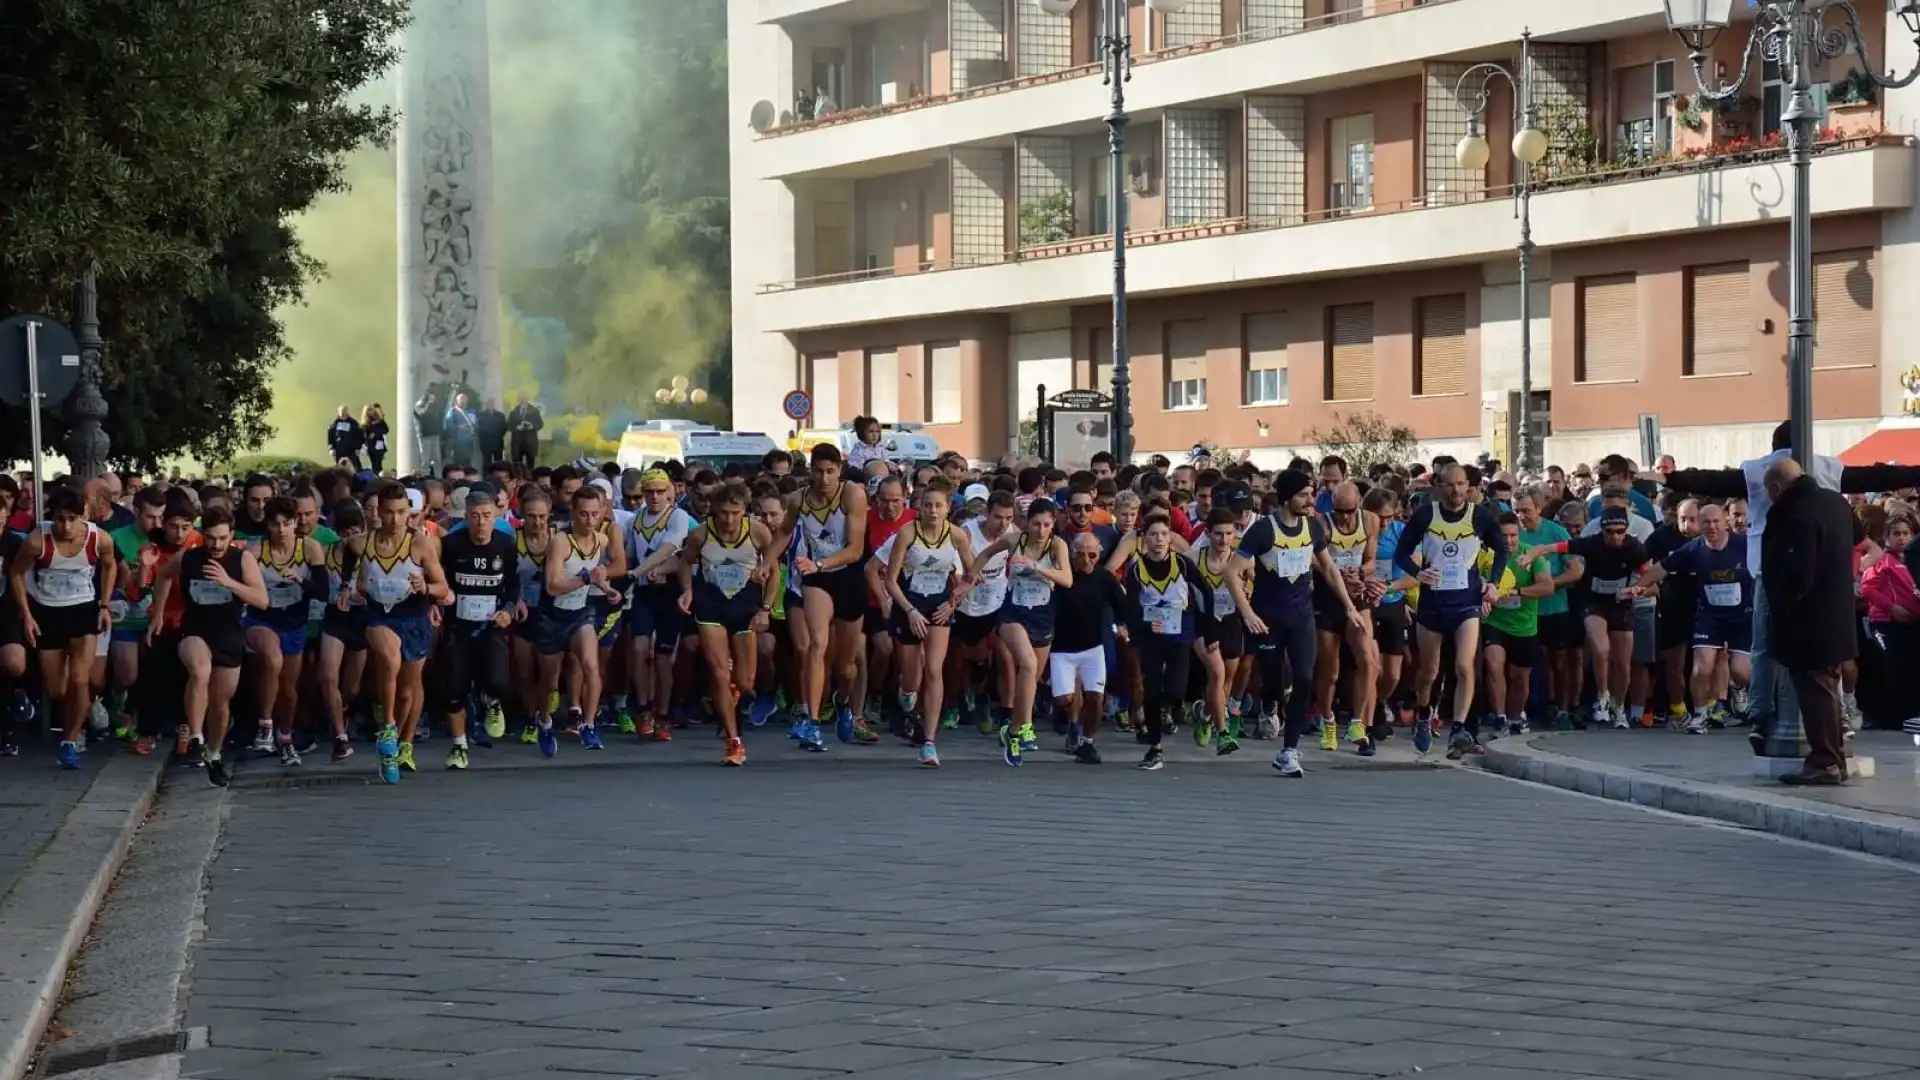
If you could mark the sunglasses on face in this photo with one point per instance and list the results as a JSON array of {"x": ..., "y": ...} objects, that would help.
[{"x": 1082, "y": 507}]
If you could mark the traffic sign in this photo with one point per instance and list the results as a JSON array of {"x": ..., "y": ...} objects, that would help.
[
  {"x": 59, "y": 360},
  {"x": 797, "y": 405}
]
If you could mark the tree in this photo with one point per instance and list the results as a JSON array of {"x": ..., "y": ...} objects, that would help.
[
  {"x": 1366, "y": 439},
  {"x": 167, "y": 144}
]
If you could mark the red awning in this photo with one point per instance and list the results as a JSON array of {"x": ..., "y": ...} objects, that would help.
[{"x": 1887, "y": 446}]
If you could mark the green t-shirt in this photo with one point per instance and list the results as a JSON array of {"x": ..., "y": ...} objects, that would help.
[
  {"x": 128, "y": 540},
  {"x": 1513, "y": 614},
  {"x": 326, "y": 536},
  {"x": 1550, "y": 532}
]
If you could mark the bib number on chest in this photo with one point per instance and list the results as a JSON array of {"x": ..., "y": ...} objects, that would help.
[
  {"x": 729, "y": 578},
  {"x": 1722, "y": 593},
  {"x": 1032, "y": 592},
  {"x": 928, "y": 582},
  {"x": 475, "y": 608},
  {"x": 66, "y": 586},
  {"x": 1162, "y": 616},
  {"x": 1292, "y": 563},
  {"x": 208, "y": 593},
  {"x": 284, "y": 594},
  {"x": 1608, "y": 586},
  {"x": 573, "y": 601},
  {"x": 389, "y": 591}
]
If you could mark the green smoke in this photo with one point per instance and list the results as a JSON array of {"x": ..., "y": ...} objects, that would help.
[{"x": 609, "y": 150}]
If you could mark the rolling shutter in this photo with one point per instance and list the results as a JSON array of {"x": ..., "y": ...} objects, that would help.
[
  {"x": 1609, "y": 329},
  {"x": 1718, "y": 320},
  {"x": 1846, "y": 330},
  {"x": 1440, "y": 365},
  {"x": 1350, "y": 352}
]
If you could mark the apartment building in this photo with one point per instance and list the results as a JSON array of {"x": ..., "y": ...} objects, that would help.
[{"x": 921, "y": 205}]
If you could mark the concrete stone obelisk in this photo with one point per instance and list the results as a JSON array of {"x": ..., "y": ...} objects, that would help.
[{"x": 449, "y": 265}]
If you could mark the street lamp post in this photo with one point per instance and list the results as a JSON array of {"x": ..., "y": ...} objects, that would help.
[
  {"x": 1116, "y": 58},
  {"x": 1529, "y": 149},
  {"x": 1794, "y": 35}
]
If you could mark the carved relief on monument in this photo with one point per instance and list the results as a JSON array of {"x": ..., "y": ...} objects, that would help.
[{"x": 449, "y": 278}]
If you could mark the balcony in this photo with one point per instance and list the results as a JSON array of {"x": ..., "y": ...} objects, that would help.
[
  {"x": 1747, "y": 184},
  {"x": 1387, "y": 38}
]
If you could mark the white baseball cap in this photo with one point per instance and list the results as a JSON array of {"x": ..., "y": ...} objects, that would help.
[{"x": 975, "y": 493}]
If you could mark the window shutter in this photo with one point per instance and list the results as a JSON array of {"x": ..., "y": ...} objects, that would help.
[
  {"x": 943, "y": 383},
  {"x": 1186, "y": 350},
  {"x": 1440, "y": 366},
  {"x": 824, "y": 376},
  {"x": 1718, "y": 320},
  {"x": 1263, "y": 346},
  {"x": 1350, "y": 356},
  {"x": 883, "y": 385},
  {"x": 1846, "y": 329},
  {"x": 1100, "y": 353},
  {"x": 1609, "y": 329}
]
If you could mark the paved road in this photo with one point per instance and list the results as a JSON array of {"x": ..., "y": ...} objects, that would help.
[
  {"x": 35, "y": 798},
  {"x": 810, "y": 918}
]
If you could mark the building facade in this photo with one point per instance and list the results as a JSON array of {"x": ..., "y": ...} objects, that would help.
[{"x": 920, "y": 205}]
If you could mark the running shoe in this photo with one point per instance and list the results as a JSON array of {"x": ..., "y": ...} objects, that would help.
[
  {"x": 623, "y": 721},
  {"x": 1422, "y": 737},
  {"x": 949, "y": 719},
  {"x": 810, "y": 738},
  {"x": 406, "y": 758},
  {"x": 929, "y": 756},
  {"x": 984, "y": 721},
  {"x": 1356, "y": 731},
  {"x": 263, "y": 741},
  {"x": 1563, "y": 721},
  {"x": 289, "y": 754},
  {"x": 590, "y": 737},
  {"x": 219, "y": 773},
  {"x": 478, "y": 736},
  {"x": 1287, "y": 763},
  {"x": 1225, "y": 744},
  {"x": 1028, "y": 740},
  {"x": 1367, "y": 748},
  {"x": 1154, "y": 760},
  {"x": 549, "y": 740},
  {"x": 390, "y": 770},
  {"x": 1009, "y": 746},
  {"x": 798, "y": 725},
  {"x": 530, "y": 734},
  {"x": 457, "y": 757},
  {"x": 69, "y": 756},
  {"x": 735, "y": 755},
  {"x": 660, "y": 733},
  {"x": 843, "y": 721},
  {"x": 142, "y": 746},
  {"x": 762, "y": 710},
  {"x": 1085, "y": 754},
  {"x": 1460, "y": 743},
  {"x": 1696, "y": 725},
  {"x": 864, "y": 733},
  {"x": 9, "y": 748},
  {"x": 387, "y": 744},
  {"x": 342, "y": 749},
  {"x": 495, "y": 724},
  {"x": 1202, "y": 734},
  {"x": 1329, "y": 734},
  {"x": 1073, "y": 735}
]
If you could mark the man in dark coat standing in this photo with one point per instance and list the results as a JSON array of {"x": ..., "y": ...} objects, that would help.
[
  {"x": 1807, "y": 570},
  {"x": 491, "y": 430},
  {"x": 524, "y": 427}
]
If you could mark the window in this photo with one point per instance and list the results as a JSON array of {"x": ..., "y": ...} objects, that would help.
[
  {"x": 1350, "y": 164},
  {"x": 877, "y": 258},
  {"x": 1649, "y": 109},
  {"x": 1100, "y": 358},
  {"x": 1263, "y": 359},
  {"x": 1776, "y": 88},
  {"x": 1846, "y": 329},
  {"x": 1349, "y": 352},
  {"x": 1719, "y": 317},
  {"x": 1100, "y": 168},
  {"x": 823, "y": 382},
  {"x": 943, "y": 383},
  {"x": 1345, "y": 11},
  {"x": 883, "y": 385},
  {"x": 1607, "y": 330},
  {"x": 1440, "y": 349},
  {"x": 1186, "y": 364}
]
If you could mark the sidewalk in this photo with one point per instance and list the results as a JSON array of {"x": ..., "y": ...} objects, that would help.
[
  {"x": 63, "y": 836},
  {"x": 1708, "y": 776}
]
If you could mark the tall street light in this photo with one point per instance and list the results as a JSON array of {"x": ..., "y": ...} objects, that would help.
[
  {"x": 1529, "y": 148},
  {"x": 1792, "y": 34},
  {"x": 1116, "y": 58}
]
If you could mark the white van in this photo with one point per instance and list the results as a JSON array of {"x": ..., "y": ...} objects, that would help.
[
  {"x": 906, "y": 443},
  {"x": 648, "y": 443}
]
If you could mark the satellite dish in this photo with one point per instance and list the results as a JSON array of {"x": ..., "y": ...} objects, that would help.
[
  {"x": 786, "y": 117},
  {"x": 762, "y": 116}
]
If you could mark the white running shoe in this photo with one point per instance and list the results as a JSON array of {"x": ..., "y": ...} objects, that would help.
[{"x": 1287, "y": 762}]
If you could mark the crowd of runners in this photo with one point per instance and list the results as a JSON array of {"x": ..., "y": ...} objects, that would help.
[{"x": 854, "y": 601}]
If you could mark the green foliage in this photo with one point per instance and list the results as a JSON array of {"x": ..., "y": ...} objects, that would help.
[
  {"x": 168, "y": 144},
  {"x": 1366, "y": 439},
  {"x": 1855, "y": 88},
  {"x": 280, "y": 465},
  {"x": 1572, "y": 145},
  {"x": 1048, "y": 219}
]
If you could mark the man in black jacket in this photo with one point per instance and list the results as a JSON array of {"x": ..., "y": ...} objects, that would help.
[
  {"x": 1807, "y": 570},
  {"x": 523, "y": 426},
  {"x": 491, "y": 431}
]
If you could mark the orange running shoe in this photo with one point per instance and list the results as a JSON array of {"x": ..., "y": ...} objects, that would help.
[
  {"x": 143, "y": 746},
  {"x": 660, "y": 733},
  {"x": 736, "y": 754},
  {"x": 645, "y": 727},
  {"x": 182, "y": 742}
]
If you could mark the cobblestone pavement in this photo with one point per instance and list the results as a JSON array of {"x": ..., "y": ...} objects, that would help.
[
  {"x": 35, "y": 798},
  {"x": 1727, "y": 759},
  {"x": 794, "y": 920}
]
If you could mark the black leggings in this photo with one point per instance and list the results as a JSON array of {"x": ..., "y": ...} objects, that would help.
[
  {"x": 1290, "y": 643},
  {"x": 1164, "y": 660}
]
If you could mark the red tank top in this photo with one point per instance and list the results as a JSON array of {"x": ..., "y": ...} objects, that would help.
[{"x": 879, "y": 532}]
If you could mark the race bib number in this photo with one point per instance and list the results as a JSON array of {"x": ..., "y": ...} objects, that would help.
[
  {"x": 1032, "y": 592},
  {"x": 284, "y": 594},
  {"x": 208, "y": 593},
  {"x": 1292, "y": 563},
  {"x": 1456, "y": 569},
  {"x": 729, "y": 578},
  {"x": 66, "y": 586},
  {"x": 475, "y": 608},
  {"x": 986, "y": 597},
  {"x": 573, "y": 601},
  {"x": 823, "y": 543},
  {"x": 1608, "y": 586},
  {"x": 141, "y": 609},
  {"x": 1511, "y": 602},
  {"x": 120, "y": 608},
  {"x": 1348, "y": 558},
  {"x": 1223, "y": 604},
  {"x": 387, "y": 591},
  {"x": 928, "y": 582},
  {"x": 1722, "y": 593},
  {"x": 316, "y": 610},
  {"x": 1163, "y": 617}
]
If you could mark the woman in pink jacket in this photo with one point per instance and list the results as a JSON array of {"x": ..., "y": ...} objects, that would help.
[{"x": 1893, "y": 614}]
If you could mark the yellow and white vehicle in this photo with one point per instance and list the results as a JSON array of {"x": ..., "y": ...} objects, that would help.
[
  {"x": 907, "y": 443},
  {"x": 648, "y": 443}
]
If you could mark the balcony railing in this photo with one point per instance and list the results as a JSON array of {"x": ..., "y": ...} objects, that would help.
[
  {"x": 1728, "y": 155},
  {"x": 1244, "y": 37}
]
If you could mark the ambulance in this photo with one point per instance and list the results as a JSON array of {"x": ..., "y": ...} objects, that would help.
[
  {"x": 906, "y": 443},
  {"x": 648, "y": 443}
]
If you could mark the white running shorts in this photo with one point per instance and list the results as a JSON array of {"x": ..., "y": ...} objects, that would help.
[{"x": 1088, "y": 669}]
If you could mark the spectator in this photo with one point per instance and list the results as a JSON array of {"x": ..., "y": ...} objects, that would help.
[
  {"x": 490, "y": 428},
  {"x": 459, "y": 431},
  {"x": 1807, "y": 572},
  {"x": 525, "y": 423},
  {"x": 373, "y": 429}
]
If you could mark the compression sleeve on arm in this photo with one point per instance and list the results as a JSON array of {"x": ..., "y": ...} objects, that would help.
[{"x": 1410, "y": 540}]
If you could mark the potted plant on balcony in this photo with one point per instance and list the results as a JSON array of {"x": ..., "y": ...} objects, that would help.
[
  {"x": 1855, "y": 89},
  {"x": 1048, "y": 219}
]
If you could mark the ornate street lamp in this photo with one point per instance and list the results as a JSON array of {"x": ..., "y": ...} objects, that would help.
[
  {"x": 1529, "y": 148},
  {"x": 1116, "y": 57}
]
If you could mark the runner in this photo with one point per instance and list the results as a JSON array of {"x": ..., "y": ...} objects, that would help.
[
  {"x": 654, "y": 542},
  {"x": 130, "y": 614},
  {"x": 219, "y": 579},
  {"x": 294, "y": 571},
  {"x": 343, "y": 628},
  {"x": 982, "y": 667},
  {"x": 1226, "y": 619},
  {"x": 1723, "y": 614},
  {"x": 531, "y": 543},
  {"x": 1612, "y": 558},
  {"x": 1077, "y": 664},
  {"x": 62, "y": 579},
  {"x": 400, "y": 578},
  {"x": 732, "y": 554},
  {"x": 1512, "y": 634},
  {"x": 1037, "y": 566},
  {"x": 582, "y": 564},
  {"x": 1351, "y": 541},
  {"x": 1162, "y": 588},
  {"x": 937, "y": 559},
  {"x": 470, "y": 664},
  {"x": 1447, "y": 536},
  {"x": 831, "y": 517}
]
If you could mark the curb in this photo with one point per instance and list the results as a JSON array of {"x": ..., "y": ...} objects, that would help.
[
  {"x": 47, "y": 915},
  {"x": 1847, "y": 829}
]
